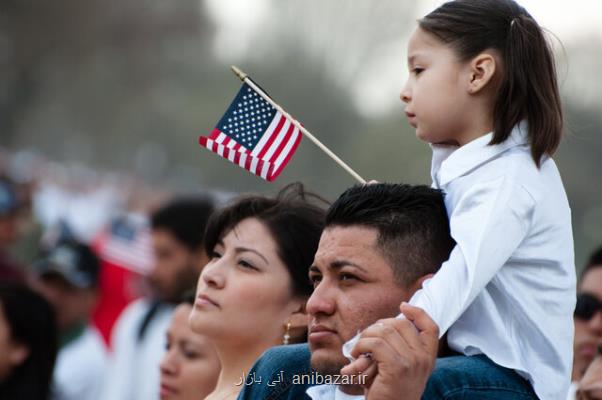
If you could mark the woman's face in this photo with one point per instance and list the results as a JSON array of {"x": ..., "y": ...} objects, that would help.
[
  {"x": 190, "y": 366},
  {"x": 244, "y": 294},
  {"x": 11, "y": 353}
]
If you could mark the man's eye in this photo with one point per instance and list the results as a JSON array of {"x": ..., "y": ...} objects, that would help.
[
  {"x": 315, "y": 279},
  {"x": 215, "y": 254},
  {"x": 417, "y": 70},
  {"x": 347, "y": 277}
]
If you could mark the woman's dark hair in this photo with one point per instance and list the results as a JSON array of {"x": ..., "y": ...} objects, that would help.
[
  {"x": 31, "y": 322},
  {"x": 529, "y": 88},
  {"x": 294, "y": 219}
]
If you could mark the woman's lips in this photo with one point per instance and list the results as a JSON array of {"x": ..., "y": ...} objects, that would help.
[
  {"x": 167, "y": 391},
  {"x": 588, "y": 350}
]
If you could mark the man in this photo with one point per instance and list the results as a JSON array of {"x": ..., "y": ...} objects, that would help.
[
  {"x": 139, "y": 335},
  {"x": 68, "y": 279},
  {"x": 587, "y": 317},
  {"x": 590, "y": 387},
  {"x": 9, "y": 270},
  {"x": 380, "y": 243}
]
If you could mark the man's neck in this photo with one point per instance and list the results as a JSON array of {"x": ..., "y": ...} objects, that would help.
[
  {"x": 72, "y": 333},
  {"x": 353, "y": 390}
]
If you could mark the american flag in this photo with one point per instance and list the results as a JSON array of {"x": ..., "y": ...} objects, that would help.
[
  {"x": 128, "y": 243},
  {"x": 254, "y": 135}
]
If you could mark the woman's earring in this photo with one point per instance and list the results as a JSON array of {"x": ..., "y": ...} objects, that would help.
[{"x": 287, "y": 329}]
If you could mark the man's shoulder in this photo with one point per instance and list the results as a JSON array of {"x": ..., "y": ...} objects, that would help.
[
  {"x": 287, "y": 355},
  {"x": 276, "y": 372}
]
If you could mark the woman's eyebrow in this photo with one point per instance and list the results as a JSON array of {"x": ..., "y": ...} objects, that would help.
[{"x": 243, "y": 249}]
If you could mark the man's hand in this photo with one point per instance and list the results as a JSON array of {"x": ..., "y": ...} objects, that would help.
[{"x": 403, "y": 353}]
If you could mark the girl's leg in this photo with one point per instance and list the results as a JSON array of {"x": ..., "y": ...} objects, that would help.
[{"x": 475, "y": 377}]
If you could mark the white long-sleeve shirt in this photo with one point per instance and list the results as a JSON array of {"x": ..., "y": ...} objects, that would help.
[
  {"x": 134, "y": 364},
  {"x": 508, "y": 288}
]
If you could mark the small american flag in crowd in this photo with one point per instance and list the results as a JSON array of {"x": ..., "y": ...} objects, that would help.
[{"x": 254, "y": 135}]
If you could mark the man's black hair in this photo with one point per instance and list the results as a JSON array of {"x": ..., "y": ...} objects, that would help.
[
  {"x": 185, "y": 219},
  {"x": 594, "y": 261},
  {"x": 412, "y": 225}
]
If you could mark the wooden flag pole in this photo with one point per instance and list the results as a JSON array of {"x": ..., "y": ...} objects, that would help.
[{"x": 245, "y": 78}]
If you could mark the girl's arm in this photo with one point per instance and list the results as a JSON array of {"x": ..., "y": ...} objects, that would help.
[{"x": 488, "y": 222}]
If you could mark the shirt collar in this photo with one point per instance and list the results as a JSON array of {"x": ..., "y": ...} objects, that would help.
[
  {"x": 451, "y": 162},
  {"x": 321, "y": 392},
  {"x": 329, "y": 392}
]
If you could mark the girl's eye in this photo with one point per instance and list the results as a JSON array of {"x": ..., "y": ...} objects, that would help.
[
  {"x": 167, "y": 345},
  {"x": 417, "y": 70}
]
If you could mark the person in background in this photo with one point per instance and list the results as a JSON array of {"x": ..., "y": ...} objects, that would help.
[
  {"x": 9, "y": 270},
  {"x": 190, "y": 365},
  {"x": 68, "y": 278},
  {"x": 590, "y": 387},
  {"x": 138, "y": 337},
  {"x": 587, "y": 318},
  {"x": 28, "y": 343}
]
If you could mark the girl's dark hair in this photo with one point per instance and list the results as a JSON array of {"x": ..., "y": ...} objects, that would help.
[
  {"x": 31, "y": 323},
  {"x": 294, "y": 219},
  {"x": 529, "y": 89}
]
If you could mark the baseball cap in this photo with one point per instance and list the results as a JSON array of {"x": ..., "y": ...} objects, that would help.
[
  {"x": 8, "y": 199},
  {"x": 73, "y": 261}
]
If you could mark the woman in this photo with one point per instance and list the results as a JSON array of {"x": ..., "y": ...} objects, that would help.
[
  {"x": 28, "y": 344},
  {"x": 251, "y": 296},
  {"x": 190, "y": 366}
]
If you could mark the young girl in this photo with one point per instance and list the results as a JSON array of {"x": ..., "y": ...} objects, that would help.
[{"x": 483, "y": 91}]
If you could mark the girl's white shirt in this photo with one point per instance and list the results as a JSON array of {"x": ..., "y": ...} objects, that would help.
[{"x": 508, "y": 288}]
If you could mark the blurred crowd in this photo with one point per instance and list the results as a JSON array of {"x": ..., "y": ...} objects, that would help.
[
  {"x": 97, "y": 280},
  {"x": 91, "y": 267}
]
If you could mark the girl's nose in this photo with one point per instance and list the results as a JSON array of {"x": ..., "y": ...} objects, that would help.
[{"x": 405, "y": 95}]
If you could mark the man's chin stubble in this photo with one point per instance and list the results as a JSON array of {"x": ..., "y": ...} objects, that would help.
[{"x": 328, "y": 367}]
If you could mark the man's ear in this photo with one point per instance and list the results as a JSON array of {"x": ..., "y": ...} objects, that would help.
[
  {"x": 482, "y": 70},
  {"x": 18, "y": 354},
  {"x": 418, "y": 284}
]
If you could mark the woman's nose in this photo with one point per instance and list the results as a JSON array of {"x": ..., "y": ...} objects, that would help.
[
  {"x": 213, "y": 274},
  {"x": 168, "y": 365}
]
